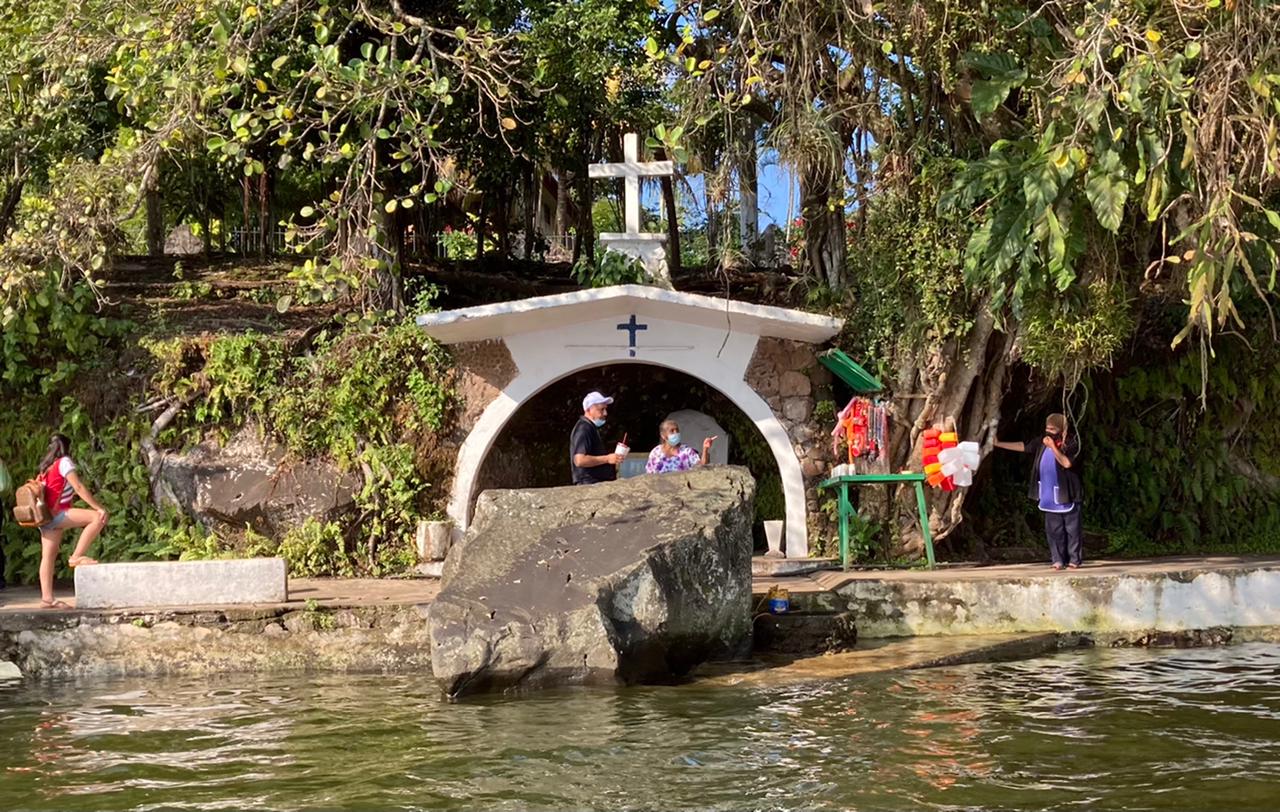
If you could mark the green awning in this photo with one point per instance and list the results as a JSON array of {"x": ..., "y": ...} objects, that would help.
[{"x": 849, "y": 371}]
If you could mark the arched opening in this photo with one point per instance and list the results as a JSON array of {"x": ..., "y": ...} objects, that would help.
[{"x": 531, "y": 449}]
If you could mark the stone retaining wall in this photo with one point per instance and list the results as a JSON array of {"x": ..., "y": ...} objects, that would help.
[
  {"x": 790, "y": 379},
  {"x": 1102, "y": 604},
  {"x": 367, "y": 639}
]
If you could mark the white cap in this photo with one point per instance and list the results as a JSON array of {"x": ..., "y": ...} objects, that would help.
[{"x": 594, "y": 399}]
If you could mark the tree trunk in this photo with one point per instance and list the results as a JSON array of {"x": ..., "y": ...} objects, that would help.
[
  {"x": 222, "y": 232},
  {"x": 586, "y": 243},
  {"x": 246, "y": 214},
  {"x": 749, "y": 195},
  {"x": 482, "y": 226},
  {"x": 9, "y": 206},
  {"x": 386, "y": 289},
  {"x": 530, "y": 208},
  {"x": 264, "y": 215},
  {"x": 502, "y": 220},
  {"x": 564, "y": 181},
  {"x": 206, "y": 228},
  {"x": 674, "y": 265},
  {"x": 822, "y": 206},
  {"x": 963, "y": 381},
  {"x": 155, "y": 223}
]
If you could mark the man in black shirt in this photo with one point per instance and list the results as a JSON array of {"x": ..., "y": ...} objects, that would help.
[{"x": 587, "y": 458}]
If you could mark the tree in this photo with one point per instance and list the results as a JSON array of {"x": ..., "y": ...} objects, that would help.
[{"x": 1085, "y": 154}]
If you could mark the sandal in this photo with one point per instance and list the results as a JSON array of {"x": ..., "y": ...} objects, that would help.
[
  {"x": 82, "y": 561},
  {"x": 54, "y": 604}
]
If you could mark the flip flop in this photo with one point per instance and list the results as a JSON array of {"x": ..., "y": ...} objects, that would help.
[
  {"x": 82, "y": 561},
  {"x": 54, "y": 604},
  {"x": 1057, "y": 567}
]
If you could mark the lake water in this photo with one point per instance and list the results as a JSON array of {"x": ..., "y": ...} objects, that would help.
[{"x": 1105, "y": 729}]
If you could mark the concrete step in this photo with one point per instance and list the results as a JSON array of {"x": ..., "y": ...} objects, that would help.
[
  {"x": 763, "y": 566},
  {"x": 182, "y": 583}
]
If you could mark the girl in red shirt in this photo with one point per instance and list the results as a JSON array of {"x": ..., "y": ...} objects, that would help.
[{"x": 61, "y": 486}]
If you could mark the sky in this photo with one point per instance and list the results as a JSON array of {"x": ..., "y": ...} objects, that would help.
[{"x": 774, "y": 183}]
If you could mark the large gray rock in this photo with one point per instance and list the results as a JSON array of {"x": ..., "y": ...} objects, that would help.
[
  {"x": 252, "y": 482},
  {"x": 631, "y": 581}
]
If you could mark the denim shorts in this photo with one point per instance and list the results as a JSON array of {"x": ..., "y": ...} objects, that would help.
[{"x": 58, "y": 522}]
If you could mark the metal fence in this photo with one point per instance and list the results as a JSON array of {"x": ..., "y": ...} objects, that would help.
[
  {"x": 248, "y": 241},
  {"x": 547, "y": 247}
]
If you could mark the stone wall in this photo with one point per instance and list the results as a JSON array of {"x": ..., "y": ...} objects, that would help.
[
  {"x": 483, "y": 369},
  {"x": 163, "y": 643},
  {"x": 1130, "y": 602},
  {"x": 790, "y": 379}
]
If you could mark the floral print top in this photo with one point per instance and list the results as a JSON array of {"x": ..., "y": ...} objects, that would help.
[{"x": 684, "y": 459}]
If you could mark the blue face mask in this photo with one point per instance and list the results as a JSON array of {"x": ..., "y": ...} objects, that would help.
[
  {"x": 599, "y": 421},
  {"x": 673, "y": 438}
]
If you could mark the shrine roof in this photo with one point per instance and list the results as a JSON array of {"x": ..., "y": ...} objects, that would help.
[{"x": 505, "y": 319}]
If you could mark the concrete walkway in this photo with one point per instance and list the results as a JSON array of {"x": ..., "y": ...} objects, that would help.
[
  {"x": 834, "y": 580},
  {"x": 326, "y": 592},
  {"x": 371, "y": 592}
]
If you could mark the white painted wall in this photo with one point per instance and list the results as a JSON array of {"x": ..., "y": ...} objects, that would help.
[{"x": 715, "y": 355}]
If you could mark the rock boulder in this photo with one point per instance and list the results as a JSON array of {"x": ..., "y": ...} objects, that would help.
[
  {"x": 622, "y": 582},
  {"x": 252, "y": 482}
]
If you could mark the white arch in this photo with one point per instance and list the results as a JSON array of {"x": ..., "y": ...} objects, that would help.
[{"x": 480, "y": 440}]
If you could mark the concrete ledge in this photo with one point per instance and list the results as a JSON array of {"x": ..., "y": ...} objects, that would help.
[
  {"x": 181, "y": 583},
  {"x": 1113, "y": 602},
  {"x": 765, "y": 567}
]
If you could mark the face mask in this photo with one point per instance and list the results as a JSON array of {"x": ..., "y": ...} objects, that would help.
[
  {"x": 599, "y": 421},
  {"x": 673, "y": 438}
]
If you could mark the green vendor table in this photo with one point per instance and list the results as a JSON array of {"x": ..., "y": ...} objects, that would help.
[{"x": 846, "y": 507}]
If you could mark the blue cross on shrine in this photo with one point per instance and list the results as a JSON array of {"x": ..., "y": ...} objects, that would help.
[{"x": 632, "y": 328}]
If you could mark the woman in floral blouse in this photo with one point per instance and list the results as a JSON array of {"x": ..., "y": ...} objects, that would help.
[{"x": 670, "y": 455}]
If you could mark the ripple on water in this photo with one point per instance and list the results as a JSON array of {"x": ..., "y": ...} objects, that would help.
[{"x": 1116, "y": 728}]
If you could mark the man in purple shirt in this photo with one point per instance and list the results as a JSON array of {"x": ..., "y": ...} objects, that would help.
[{"x": 1057, "y": 489}]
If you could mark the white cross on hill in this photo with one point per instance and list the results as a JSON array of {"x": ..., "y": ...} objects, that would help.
[
  {"x": 631, "y": 170},
  {"x": 648, "y": 248}
]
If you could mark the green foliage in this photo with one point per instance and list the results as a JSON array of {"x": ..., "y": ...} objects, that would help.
[
  {"x": 315, "y": 549},
  {"x": 609, "y": 268},
  {"x": 238, "y": 373},
  {"x": 1164, "y": 476},
  {"x": 1122, "y": 129},
  {"x": 752, "y": 450},
  {"x": 907, "y": 286},
  {"x": 49, "y": 332},
  {"x": 389, "y": 505},
  {"x": 1064, "y": 337},
  {"x": 350, "y": 394},
  {"x": 364, "y": 397},
  {"x": 458, "y": 243}
]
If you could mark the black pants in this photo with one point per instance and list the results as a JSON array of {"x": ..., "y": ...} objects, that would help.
[{"x": 1063, "y": 531}]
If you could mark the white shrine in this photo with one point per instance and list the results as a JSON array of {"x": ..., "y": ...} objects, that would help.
[
  {"x": 526, "y": 345},
  {"x": 649, "y": 249}
]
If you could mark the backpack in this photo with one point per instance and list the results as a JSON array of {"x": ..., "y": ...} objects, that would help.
[{"x": 29, "y": 506}]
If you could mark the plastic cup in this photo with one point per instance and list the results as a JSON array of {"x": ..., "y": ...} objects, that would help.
[{"x": 621, "y": 450}]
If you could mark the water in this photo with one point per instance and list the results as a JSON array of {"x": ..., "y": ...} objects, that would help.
[{"x": 1112, "y": 729}]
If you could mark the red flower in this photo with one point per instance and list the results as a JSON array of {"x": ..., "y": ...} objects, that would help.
[{"x": 448, "y": 229}]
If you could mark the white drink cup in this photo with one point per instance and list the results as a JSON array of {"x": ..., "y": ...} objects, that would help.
[{"x": 621, "y": 450}]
